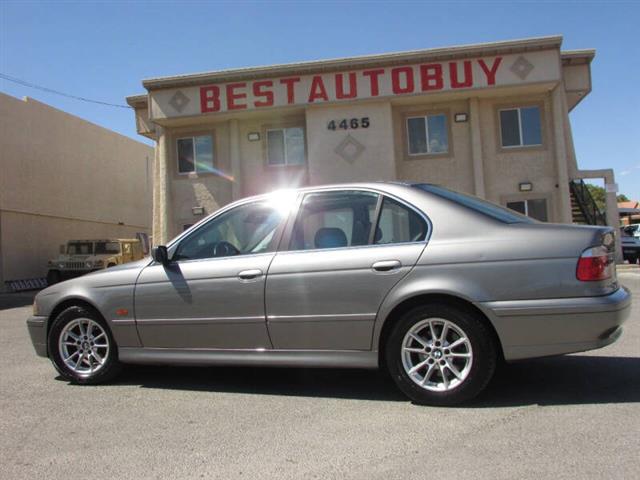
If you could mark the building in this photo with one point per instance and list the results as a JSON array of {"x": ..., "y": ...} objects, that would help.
[
  {"x": 629, "y": 212},
  {"x": 490, "y": 119},
  {"x": 64, "y": 178}
]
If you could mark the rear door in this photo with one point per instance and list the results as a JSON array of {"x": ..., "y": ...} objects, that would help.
[{"x": 325, "y": 286}]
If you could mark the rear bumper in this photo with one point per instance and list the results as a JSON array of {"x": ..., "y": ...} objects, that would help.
[
  {"x": 37, "y": 327},
  {"x": 538, "y": 328}
]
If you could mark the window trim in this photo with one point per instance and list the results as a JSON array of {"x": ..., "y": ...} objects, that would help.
[
  {"x": 193, "y": 139},
  {"x": 283, "y": 128},
  {"x": 519, "y": 107},
  {"x": 285, "y": 239},
  {"x": 426, "y": 129},
  {"x": 421, "y": 113},
  {"x": 173, "y": 246}
]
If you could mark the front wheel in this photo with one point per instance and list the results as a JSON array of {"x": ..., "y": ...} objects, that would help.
[
  {"x": 441, "y": 355},
  {"x": 82, "y": 348}
]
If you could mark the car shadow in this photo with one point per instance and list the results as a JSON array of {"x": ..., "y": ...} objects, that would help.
[{"x": 567, "y": 380}]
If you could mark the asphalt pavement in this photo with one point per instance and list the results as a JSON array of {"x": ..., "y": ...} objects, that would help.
[{"x": 576, "y": 416}]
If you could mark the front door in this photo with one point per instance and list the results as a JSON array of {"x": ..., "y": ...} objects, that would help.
[
  {"x": 347, "y": 249},
  {"x": 211, "y": 295}
]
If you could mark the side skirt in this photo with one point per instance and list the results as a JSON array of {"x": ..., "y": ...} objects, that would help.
[{"x": 254, "y": 358}]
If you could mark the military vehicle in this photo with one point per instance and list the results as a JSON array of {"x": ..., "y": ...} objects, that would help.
[{"x": 84, "y": 256}]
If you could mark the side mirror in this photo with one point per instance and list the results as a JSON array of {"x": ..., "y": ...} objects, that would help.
[{"x": 160, "y": 254}]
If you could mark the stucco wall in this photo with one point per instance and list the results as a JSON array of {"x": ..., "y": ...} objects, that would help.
[
  {"x": 505, "y": 169},
  {"x": 65, "y": 169}
]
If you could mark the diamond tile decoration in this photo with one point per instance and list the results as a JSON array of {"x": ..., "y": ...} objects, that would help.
[
  {"x": 349, "y": 149},
  {"x": 179, "y": 101},
  {"x": 522, "y": 67}
]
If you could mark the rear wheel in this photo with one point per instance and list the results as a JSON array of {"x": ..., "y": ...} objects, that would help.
[
  {"x": 441, "y": 355},
  {"x": 82, "y": 348}
]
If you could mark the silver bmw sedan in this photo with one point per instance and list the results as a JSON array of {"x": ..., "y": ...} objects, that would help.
[{"x": 434, "y": 286}]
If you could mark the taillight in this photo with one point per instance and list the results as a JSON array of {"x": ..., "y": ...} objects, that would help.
[{"x": 595, "y": 264}]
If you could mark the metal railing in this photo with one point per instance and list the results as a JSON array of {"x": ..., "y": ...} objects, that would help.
[{"x": 586, "y": 203}]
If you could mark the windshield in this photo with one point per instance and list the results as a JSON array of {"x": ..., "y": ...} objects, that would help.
[
  {"x": 484, "y": 207},
  {"x": 80, "y": 248},
  {"x": 107, "y": 247}
]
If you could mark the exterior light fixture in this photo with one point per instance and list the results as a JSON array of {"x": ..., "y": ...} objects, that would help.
[
  {"x": 525, "y": 186},
  {"x": 461, "y": 117},
  {"x": 197, "y": 210},
  {"x": 253, "y": 136}
]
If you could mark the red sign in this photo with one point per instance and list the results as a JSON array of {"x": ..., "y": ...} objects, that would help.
[{"x": 361, "y": 84}]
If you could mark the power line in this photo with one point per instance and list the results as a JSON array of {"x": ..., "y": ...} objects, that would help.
[{"x": 24, "y": 83}]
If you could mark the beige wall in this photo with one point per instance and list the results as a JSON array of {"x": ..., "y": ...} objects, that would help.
[
  {"x": 476, "y": 162},
  {"x": 384, "y": 156},
  {"x": 375, "y": 162},
  {"x": 63, "y": 177},
  {"x": 453, "y": 169}
]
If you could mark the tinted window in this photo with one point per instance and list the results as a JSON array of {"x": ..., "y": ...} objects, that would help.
[
  {"x": 80, "y": 248},
  {"x": 476, "y": 204},
  {"x": 510, "y": 128},
  {"x": 428, "y": 134},
  {"x": 520, "y": 127},
  {"x": 107, "y": 247},
  {"x": 195, "y": 154},
  {"x": 399, "y": 224},
  {"x": 244, "y": 230},
  {"x": 531, "y": 130},
  {"x": 334, "y": 220}
]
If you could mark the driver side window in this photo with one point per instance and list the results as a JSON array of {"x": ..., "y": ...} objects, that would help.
[{"x": 244, "y": 230}]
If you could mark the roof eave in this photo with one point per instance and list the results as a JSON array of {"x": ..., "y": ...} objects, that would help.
[{"x": 493, "y": 48}]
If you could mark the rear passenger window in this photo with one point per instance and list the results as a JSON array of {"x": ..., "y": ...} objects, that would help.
[
  {"x": 334, "y": 220},
  {"x": 399, "y": 224}
]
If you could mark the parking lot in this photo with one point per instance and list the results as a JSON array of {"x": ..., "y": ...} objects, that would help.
[{"x": 576, "y": 416}]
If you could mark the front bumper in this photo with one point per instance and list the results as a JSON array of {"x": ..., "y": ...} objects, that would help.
[
  {"x": 539, "y": 328},
  {"x": 37, "y": 327}
]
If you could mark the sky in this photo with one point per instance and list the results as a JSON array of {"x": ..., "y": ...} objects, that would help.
[{"x": 102, "y": 51}]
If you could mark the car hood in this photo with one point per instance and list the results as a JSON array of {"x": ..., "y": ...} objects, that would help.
[{"x": 119, "y": 275}]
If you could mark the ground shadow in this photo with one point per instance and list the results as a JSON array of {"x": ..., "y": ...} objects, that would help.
[
  {"x": 575, "y": 379},
  {"x": 572, "y": 379}
]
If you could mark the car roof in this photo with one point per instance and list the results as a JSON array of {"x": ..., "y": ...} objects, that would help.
[
  {"x": 384, "y": 186},
  {"x": 105, "y": 240}
]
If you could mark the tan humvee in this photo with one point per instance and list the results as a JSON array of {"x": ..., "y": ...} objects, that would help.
[{"x": 84, "y": 256}]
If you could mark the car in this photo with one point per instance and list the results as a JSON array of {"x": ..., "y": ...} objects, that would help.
[
  {"x": 434, "y": 286},
  {"x": 630, "y": 244},
  {"x": 633, "y": 230},
  {"x": 84, "y": 256}
]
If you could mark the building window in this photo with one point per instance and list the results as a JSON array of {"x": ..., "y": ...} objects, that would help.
[
  {"x": 195, "y": 154},
  {"x": 520, "y": 127},
  {"x": 428, "y": 134},
  {"x": 536, "y": 208},
  {"x": 285, "y": 146}
]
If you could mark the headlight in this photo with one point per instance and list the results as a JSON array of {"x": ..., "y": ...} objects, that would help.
[{"x": 88, "y": 264}]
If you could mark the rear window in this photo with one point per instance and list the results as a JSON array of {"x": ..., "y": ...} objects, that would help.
[{"x": 476, "y": 204}]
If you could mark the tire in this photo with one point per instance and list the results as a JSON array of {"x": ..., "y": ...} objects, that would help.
[
  {"x": 111, "y": 265},
  {"x": 53, "y": 277},
  {"x": 474, "y": 355},
  {"x": 73, "y": 322}
]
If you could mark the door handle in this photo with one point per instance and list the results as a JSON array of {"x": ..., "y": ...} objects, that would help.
[
  {"x": 386, "y": 265},
  {"x": 249, "y": 274}
]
